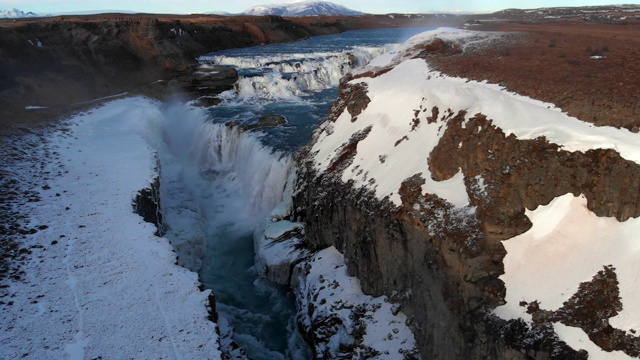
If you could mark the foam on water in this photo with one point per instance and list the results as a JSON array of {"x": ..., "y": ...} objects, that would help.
[{"x": 277, "y": 77}]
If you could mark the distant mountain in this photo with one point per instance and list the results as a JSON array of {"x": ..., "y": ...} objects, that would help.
[
  {"x": 224, "y": 13},
  {"x": 301, "y": 8},
  {"x": 15, "y": 13}
]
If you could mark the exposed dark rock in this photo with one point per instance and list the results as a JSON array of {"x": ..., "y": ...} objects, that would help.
[
  {"x": 208, "y": 101},
  {"x": 353, "y": 98},
  {"x": 436, "y": 47},
  {"x": 147, "y": 205},
  {"x": 267, "y": 120},
  {"x": 210, "y": 79},
  {"x": 590, "y": 309},
  {"x": 348, "y": 151}
]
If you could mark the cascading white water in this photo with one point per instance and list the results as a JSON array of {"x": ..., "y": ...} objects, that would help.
[
  {"x": 223, "y": 177},
  {"x": 289, "y": 76},
  {"x": 362, "y": 54},
  {"x": 216, "y": 184}
]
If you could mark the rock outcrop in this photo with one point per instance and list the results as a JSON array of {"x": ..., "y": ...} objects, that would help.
[{"x": 431, "y": 237}]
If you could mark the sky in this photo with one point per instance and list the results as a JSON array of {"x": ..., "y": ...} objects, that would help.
[{"x": 200, "y": 6}]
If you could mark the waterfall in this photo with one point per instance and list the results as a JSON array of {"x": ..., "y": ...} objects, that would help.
[
  {"x": 217, "y": 182},
  {"x": 213, "y": 177}
]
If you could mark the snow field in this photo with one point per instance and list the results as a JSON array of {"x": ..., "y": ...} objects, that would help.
[
  {"x": 103, "y": 285},
  {"x": 568, "y": 244}
]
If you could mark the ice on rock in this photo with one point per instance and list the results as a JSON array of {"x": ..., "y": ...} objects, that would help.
[
  {"x": 277, "y": 247},
  {"x": 332, "y": 302}
]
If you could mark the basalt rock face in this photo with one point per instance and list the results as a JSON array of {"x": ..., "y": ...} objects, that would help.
[
  {"x": 147, "y": 204},
  {"x": 443, "y": 262},
  {"x": 428, "y": 259},
  {"x": 519, "y": 174},
  {"x": 84, "y": 60}
]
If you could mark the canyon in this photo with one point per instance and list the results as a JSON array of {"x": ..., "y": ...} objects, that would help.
[{"x": 425, "y": 187}]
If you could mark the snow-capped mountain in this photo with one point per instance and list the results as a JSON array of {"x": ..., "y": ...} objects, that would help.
[
  {"x": 301, "y": 8},
  {"x": 15, "y": 13}
]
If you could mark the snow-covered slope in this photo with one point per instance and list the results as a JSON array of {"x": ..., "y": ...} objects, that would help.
[
  {"x": 98, "y": 283},
  {"x": 399, "y": 123},
  {"x": 567, "y": 245},
  {"x": 301, "y": 8},
  {"x": 15, "y": 13}
]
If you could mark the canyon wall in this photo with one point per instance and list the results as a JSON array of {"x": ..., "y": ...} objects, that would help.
[{"x": 440, "y": 258}]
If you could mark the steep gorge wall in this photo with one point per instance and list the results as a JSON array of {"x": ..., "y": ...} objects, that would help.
[
  {"x": 443, "y": 263},
  {"x": 415, "y": 258}
]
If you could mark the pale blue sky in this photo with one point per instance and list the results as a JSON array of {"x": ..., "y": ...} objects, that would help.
[{"x": 235, "y": 6}]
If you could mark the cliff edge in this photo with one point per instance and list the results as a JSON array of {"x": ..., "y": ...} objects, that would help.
[{"x": 501, "y": 224}]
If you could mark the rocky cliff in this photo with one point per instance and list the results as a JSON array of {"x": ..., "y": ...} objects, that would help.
[{"x": 468, "y": 204}]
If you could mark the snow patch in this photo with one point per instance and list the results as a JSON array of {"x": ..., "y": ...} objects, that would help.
[
  {"x": 568, "y": 244},
  {"x": 15, "y": 13},
  {"x": 301, "y": 8},
  {"x": 328, "y": 292},
  {"x": 277, "y": 247}
]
